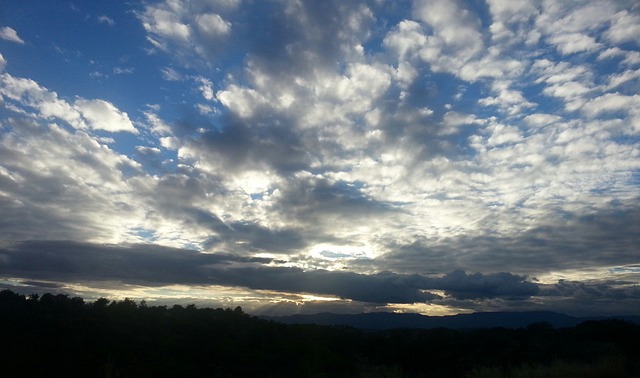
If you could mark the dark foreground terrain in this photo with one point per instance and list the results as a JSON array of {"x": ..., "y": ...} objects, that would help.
[{"x": 59, "y": 336}]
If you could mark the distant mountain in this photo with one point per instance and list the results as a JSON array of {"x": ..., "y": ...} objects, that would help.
[{"x": 387, "y": 320}]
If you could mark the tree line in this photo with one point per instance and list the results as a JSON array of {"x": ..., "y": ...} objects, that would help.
[{"x": 58, "y": 335}]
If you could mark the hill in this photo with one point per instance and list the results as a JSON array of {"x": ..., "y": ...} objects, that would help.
[{"x": 479, "y": 320}]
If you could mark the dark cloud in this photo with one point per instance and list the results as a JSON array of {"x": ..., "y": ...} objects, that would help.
[
  {"x": 297, "y": 38},
  {"x": 593, "y": 291},
  {"x": 314, "y": 197},
  {"x": 592, "y": 297},
  {"x": 258, "y": 238},
  {"x": 608, "y": 237},
  {"x": 461, "y": 285},
  {"x": 243, "y": 145},
  {"x": 84, "y": 262},
  {"x": 377, "y": 288},
  {"x": 154, "y": 265}
]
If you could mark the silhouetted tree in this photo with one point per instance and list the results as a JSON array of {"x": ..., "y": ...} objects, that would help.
[{"x": 61, "y": 336}]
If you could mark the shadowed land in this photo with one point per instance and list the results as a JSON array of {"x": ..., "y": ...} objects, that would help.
[{"x": 55, "y": 335}]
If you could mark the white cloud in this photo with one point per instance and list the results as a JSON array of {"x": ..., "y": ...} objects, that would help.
[
  {"x": 103, "y": 115},
  {"x": 156, "y": 124},
  {"x": 625, "y": 27},
  {"x": 503, "y": 134},
  {"x": 146, "y": 150},
  {"x": 183, "y": 29},
  {"x": 170, "y": 74},
  {"x": 610, "y": 53},
  {"x": 453, "y": 120},
  {"x": 242, "y": 101},
  {"x": 574, "y": 17},
  {"x": 3, "y": 63},
  {"x": 205, "y": 109},
  {"x": 166, "y": 23},
  {"x": 571, "y": 43},
  {"x": 93, "y": 114},
  {"x": 541, "y": 119},
  {"x": 406, "y": 39},
  {"x": 10, "y": 34},
  {"x": 456, "y": 37},
  {"x": 358, "y": 87},
  {"x": 509, "y": 21},
  {"x": 570, "y": 83},
  {"x": 632, "y": 58},
  {"x": 123, "y": 70},
  {"x": 456, "y": 26},
  {"x": 206, "y": 88},
  {"x": 508, "y": 100},
  {"x": 616, "y": 80},
  {"x": 451, "y": 40},
  {"x": 212, "y": 25},
  {"x": 511, "y": 11},
  {"x": 28, "y": 93},
  {"x": 103, "y": 19},
  {"x": 611, "y": 102},
  {"x": 492, "y": 66},
  {"x": 573, "y": 27}
]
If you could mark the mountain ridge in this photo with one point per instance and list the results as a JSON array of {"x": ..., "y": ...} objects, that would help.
[{"x": 477, "y": 320}]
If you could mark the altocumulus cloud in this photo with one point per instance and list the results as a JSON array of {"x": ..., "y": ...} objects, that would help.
[{"x": 471, "y": 155}]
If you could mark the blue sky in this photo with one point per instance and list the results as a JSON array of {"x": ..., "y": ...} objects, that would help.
[{"x": 303, "y": 156}]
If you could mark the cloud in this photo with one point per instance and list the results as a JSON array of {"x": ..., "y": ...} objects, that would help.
[
  {"x": 29, "y": 93},
  {"x": 511, "y": 21},
  {"x": 453, "y": 26},
  {"x": 368, "y": 135},
  {"x": 170, "y": 74},
  {"x": 156, "y": 124},
  {"x": 3, "y": 63},
  {"x": 161, "y": 266},
  {"x": 206, "y": 87},
  {"x": 63, "y": 184},
  {"x": 83, "y": 114},
  {"x": 597, "y": 297},
  {"x": 212, "y": 25},
  {"x": 9, "y": 34},
  {"x": 509, "y": 100},
  {"x": 571, "y": 43},
  {"x": 103, "y": 19},
  {"x": 623, "y": 78},
  {"x": 314, "y": 198},
  {"x": 567, "y": 241},
  {"x": 103, "y": 115},
  {"x": 123, "y": 71},
  {"x": 344, "y": 140},
  {"x": 595, "y": 291},
  {"x": 244, "y": 147},
  {"x": 192, "y": 30},
  {"x": 625, "y": 26},
  {"x": 610, "y": 102},
  {"x": 461, "y": 285}
]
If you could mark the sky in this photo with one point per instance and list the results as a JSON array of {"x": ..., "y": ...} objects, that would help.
[{"x": 301, "y": 156}]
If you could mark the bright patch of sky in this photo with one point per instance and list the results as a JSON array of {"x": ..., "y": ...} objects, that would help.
[{"x": 414, "y": 155}]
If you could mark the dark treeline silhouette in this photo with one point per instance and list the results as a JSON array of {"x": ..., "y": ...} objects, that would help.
[{"x": 55, "y": 335}]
